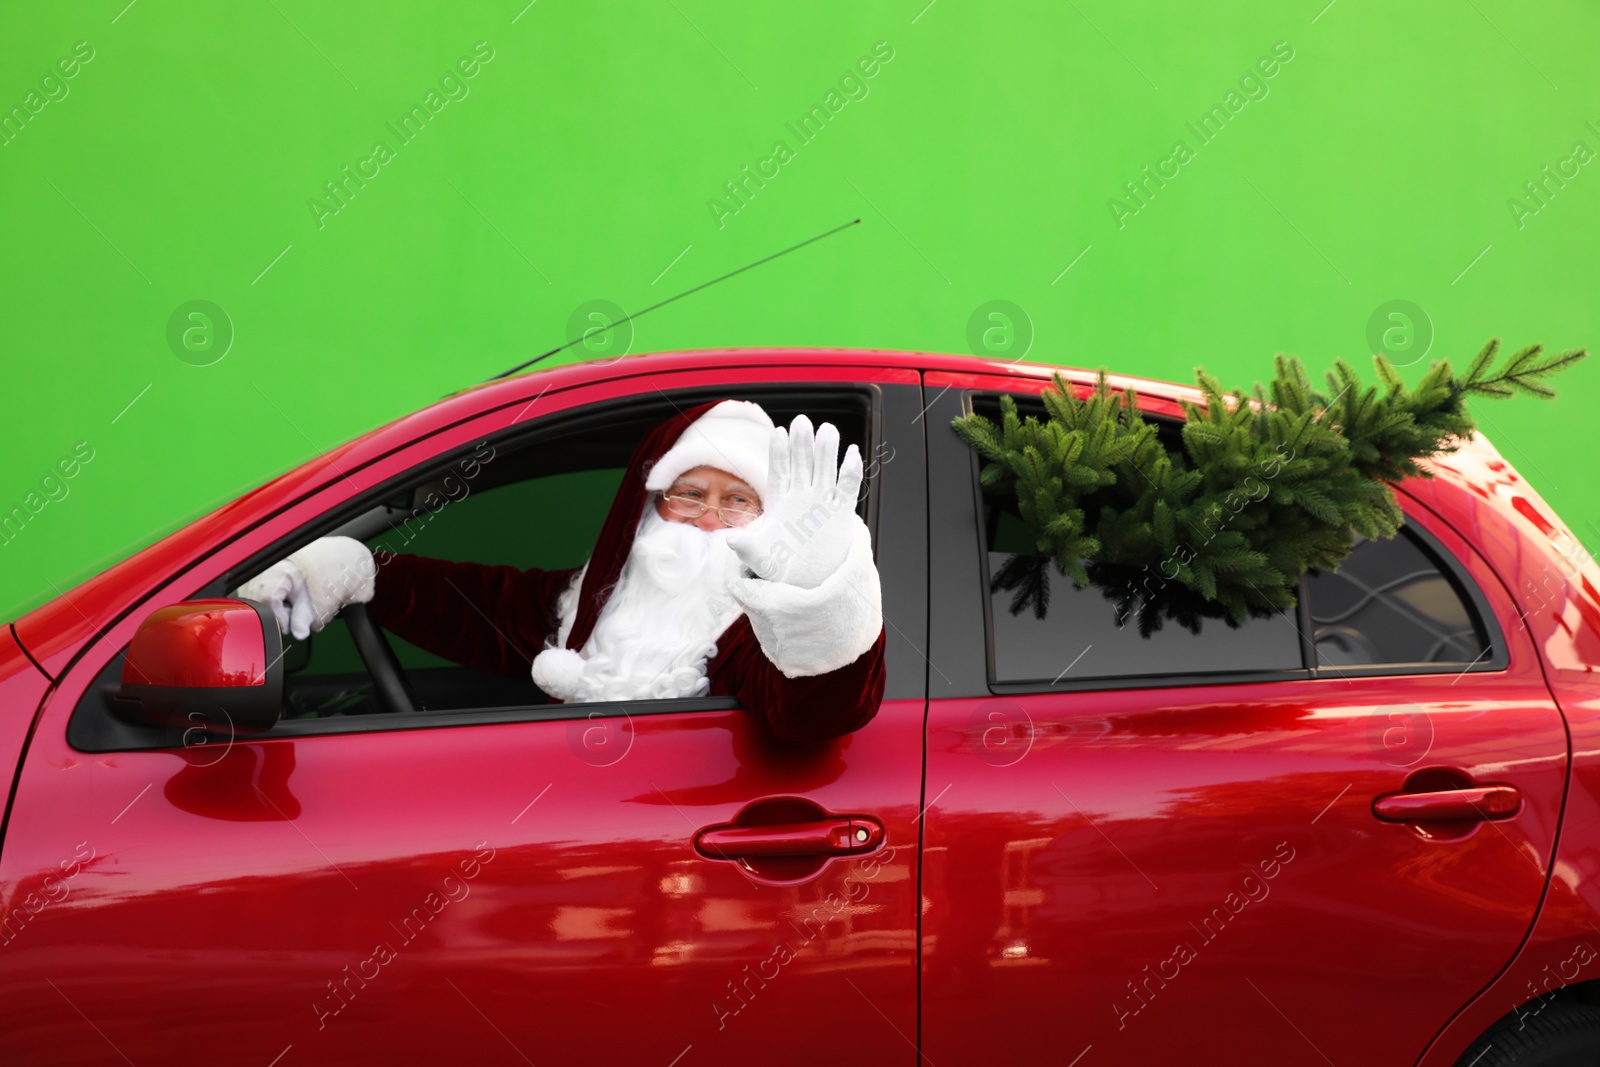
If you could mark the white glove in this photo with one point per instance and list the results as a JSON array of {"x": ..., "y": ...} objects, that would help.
[
  {"x": 807, "y": 528},
  {"x": 815, "y": 604},
  {"x": 282, "y": 587},
  {"x": 314, "y": 584}
]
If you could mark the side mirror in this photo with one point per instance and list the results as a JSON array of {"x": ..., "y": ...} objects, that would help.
[{"x": 214, "y": 665}]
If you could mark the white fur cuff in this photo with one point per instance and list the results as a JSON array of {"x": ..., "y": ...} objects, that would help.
[
  {"x": 806, "y": 632},
  {"x": 339, "y": 571}
]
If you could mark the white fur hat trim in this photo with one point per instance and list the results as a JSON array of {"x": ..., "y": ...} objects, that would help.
[{"x": 735, "y": 436}]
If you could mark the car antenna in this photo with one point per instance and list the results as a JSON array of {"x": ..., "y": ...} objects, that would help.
[{"x": 670, "y": 299}]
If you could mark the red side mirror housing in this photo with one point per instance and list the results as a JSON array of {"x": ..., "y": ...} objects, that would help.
[{"x": 215, "y": 665}]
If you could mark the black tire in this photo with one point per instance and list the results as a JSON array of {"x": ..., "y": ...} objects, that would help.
[{"x": 1560, "y": 1034}]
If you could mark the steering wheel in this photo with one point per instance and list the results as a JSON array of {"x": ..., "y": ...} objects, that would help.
[{"x": 390, "y": 684}]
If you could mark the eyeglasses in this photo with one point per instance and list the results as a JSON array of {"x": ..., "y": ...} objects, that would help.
[{"x": 731, "y": 515}]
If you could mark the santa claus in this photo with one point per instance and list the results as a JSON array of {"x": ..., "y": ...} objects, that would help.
[{"x": 732, "y": 563}]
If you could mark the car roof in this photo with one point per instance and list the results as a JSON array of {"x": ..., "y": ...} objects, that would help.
[{"x": 689, "y": 359}]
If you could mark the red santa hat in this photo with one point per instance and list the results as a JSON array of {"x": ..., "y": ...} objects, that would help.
[{"x": 731, "y": 435}]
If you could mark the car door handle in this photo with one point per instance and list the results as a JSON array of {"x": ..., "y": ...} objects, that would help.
[
  {"x": 1479, "y": 803},
  {"x": 827, "y": 837}
]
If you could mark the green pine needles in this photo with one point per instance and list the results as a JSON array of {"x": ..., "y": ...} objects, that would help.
[{"x": 1263, "y": 489}]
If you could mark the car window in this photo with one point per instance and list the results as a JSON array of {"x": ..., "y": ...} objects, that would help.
[
  {"x": 538, "y": 502},
  {"x": 1043, "y": 629},
  {"x": 533, "y": 498},
  {"x": 1392, "y": 602},
  {"x": 549, "y": 522}
]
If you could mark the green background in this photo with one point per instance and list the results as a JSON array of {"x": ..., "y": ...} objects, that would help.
[{"x": 584, "y": 159}]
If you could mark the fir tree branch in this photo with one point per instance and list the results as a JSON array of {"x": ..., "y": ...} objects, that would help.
[{"x": 1262, "y": 490}]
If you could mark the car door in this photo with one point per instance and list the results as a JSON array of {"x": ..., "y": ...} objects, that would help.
[
  {"x": 1200, "y": 842},
  {"x": 484, "y": 884}
]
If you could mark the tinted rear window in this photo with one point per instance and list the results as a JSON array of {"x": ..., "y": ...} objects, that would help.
[
  {"x": 1392, "y": 602},
  {"x": 1080, "y": 636}
]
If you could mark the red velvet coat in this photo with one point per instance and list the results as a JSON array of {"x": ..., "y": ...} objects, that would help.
[{"x": 497, "y": 618}]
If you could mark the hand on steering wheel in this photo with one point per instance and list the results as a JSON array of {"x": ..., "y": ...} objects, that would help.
[{"x": 334, "y": 576}]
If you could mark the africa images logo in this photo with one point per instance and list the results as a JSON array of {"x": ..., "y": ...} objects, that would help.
[
  {"x": 452, "y": 888},
  {"x": 453, "y": 85},
  {"x": 853, "y": 85},
  {"x": 1141, "y": 190},
  {"x": 53, "y": 88}
]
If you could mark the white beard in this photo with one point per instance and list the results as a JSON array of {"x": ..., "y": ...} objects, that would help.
[{"x": 660, "y": 626}]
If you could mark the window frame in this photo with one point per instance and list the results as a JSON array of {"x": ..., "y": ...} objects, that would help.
[
  {"x": 962, "y": 403},
  {"x": 92, "y": 728}
]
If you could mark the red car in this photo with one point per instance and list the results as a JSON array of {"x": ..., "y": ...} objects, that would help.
[{"x": 1362, "y": 835}]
